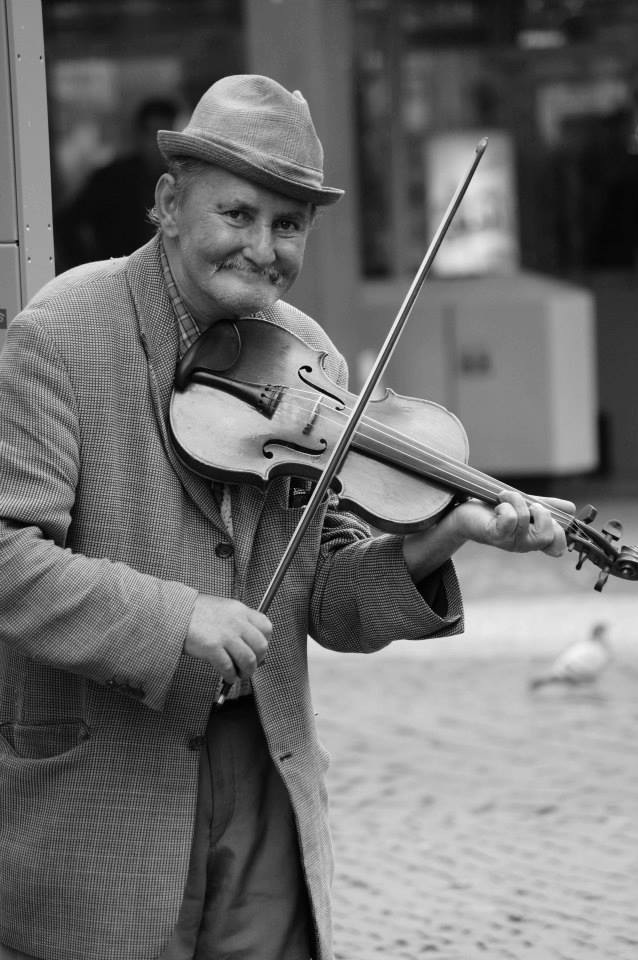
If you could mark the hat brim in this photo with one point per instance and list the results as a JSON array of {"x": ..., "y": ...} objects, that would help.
[{"x": 175, "y": 144}]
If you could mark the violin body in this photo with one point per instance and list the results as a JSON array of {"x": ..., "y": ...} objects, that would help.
[
  {"x": 252, "y": 401},
  {"x": 233, "y": 427}
]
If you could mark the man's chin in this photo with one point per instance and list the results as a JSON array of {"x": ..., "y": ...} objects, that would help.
[
  {"x": 247, "y": 308},
  {"x": 245, "y": 301}
]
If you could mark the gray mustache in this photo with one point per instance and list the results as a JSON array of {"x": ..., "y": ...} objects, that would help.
[{"x": 235, "y": 264}]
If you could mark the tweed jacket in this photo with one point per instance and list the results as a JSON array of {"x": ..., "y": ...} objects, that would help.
[{"x": 105, "y": 541}]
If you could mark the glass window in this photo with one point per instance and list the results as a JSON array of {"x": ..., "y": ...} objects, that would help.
[
  {"x": 106, "y": 60},
  {"x": 553, "y": 82}
]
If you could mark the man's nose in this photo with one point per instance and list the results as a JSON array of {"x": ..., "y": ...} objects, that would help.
[{"x": 260, "y": 246}]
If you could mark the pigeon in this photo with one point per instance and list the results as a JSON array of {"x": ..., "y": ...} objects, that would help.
[{"x": 581, "y": 662}]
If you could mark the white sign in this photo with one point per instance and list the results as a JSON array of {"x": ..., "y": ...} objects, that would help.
[{"x": 483, "y": 237}]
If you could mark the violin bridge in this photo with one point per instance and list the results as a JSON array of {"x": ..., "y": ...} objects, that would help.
[{"x": 314, "y": 413}]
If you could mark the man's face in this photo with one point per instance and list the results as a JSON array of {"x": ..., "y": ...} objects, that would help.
[{"x": 234, "y": 247}]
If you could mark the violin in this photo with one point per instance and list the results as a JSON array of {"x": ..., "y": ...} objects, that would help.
[{"x": 252, "y": 401}]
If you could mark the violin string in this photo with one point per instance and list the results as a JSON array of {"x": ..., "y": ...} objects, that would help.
[
  {"x": 443, "y": 459},
  {"x": 464, "y": 471},
  {"x": 443, "y": 462},
  {"x": 567, "y": 520}
]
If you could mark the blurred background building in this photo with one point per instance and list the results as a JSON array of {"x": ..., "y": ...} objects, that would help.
[{"x": 526, "y": 328}]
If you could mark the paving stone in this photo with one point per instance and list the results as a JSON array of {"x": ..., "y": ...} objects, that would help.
[{"x": 471, "y": 818}]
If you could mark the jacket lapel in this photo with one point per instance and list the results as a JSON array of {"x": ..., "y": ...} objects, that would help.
[{"x": 159, "y": 336}]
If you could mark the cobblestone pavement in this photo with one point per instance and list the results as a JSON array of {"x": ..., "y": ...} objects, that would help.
[{"x": 472, "y": 818}]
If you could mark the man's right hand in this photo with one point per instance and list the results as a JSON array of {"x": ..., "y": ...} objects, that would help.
[{"x": 232, "y": 637}]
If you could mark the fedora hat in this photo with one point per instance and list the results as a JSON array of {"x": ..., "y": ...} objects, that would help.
[{"x": 255, "y": 128}]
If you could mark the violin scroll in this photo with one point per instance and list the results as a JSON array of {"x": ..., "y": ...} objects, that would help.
[
  {"x": 626, "y": 565},
  {"x": 600, "y": 547}
]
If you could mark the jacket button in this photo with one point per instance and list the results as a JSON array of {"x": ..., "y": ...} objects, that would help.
[
  {"x": 194, "y": 743},
  {"x": 224, "y": 550}
]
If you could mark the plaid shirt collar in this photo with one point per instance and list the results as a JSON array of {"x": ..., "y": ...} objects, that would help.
[{"x": 189, "y": 332}]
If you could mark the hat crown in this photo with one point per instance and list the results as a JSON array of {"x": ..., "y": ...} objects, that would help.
[
  {"x": 257, "y": 129},
  {"x": 262, "y": 116}
]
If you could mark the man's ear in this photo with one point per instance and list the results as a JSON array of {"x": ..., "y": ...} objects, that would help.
[{"x": 166, "y": 204}]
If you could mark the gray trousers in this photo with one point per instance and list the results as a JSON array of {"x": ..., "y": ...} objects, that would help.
[{"x": 245, "y": 896}]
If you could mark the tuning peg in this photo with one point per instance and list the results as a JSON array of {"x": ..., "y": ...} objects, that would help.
[
  {"x": 587, "y": 514},
  {"x": 613, "y": 531},
  {"x": 603, "y": 576},
  {"x": 581, "y": 559}
]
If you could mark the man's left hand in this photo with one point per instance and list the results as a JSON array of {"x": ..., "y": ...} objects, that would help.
[{"x": 514, "y": 524}]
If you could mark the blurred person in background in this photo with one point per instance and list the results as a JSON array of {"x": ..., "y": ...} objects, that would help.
[
  {"x": 139, "y": 818},
  {"x": 108, "y": 216}
]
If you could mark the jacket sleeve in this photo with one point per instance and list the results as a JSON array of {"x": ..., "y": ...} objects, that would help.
[
  {"x": 364, "y": 597},
  {"x": 90, "y": 616}
]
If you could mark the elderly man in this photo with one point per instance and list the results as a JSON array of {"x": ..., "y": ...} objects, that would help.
[{"x": 136, "y": 822}]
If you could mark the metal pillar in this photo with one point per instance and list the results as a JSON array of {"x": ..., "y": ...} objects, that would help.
[
  {"x": 307, "y": 45},
  {"x": 26, "y": 232}
]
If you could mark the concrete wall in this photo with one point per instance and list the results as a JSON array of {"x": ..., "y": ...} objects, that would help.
[{"x": 306, "y": 45}]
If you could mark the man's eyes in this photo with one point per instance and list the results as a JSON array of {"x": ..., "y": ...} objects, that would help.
[
  {"x": 238, "y": 216},
  {"x": 287, "y": 226}
]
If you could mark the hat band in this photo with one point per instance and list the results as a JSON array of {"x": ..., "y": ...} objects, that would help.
[
  {"x": 284, "y": 176},
  {"x": 264, "y": 155}
]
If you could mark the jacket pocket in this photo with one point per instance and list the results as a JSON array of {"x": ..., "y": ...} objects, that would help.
[{"x": 38, "y": 741}]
